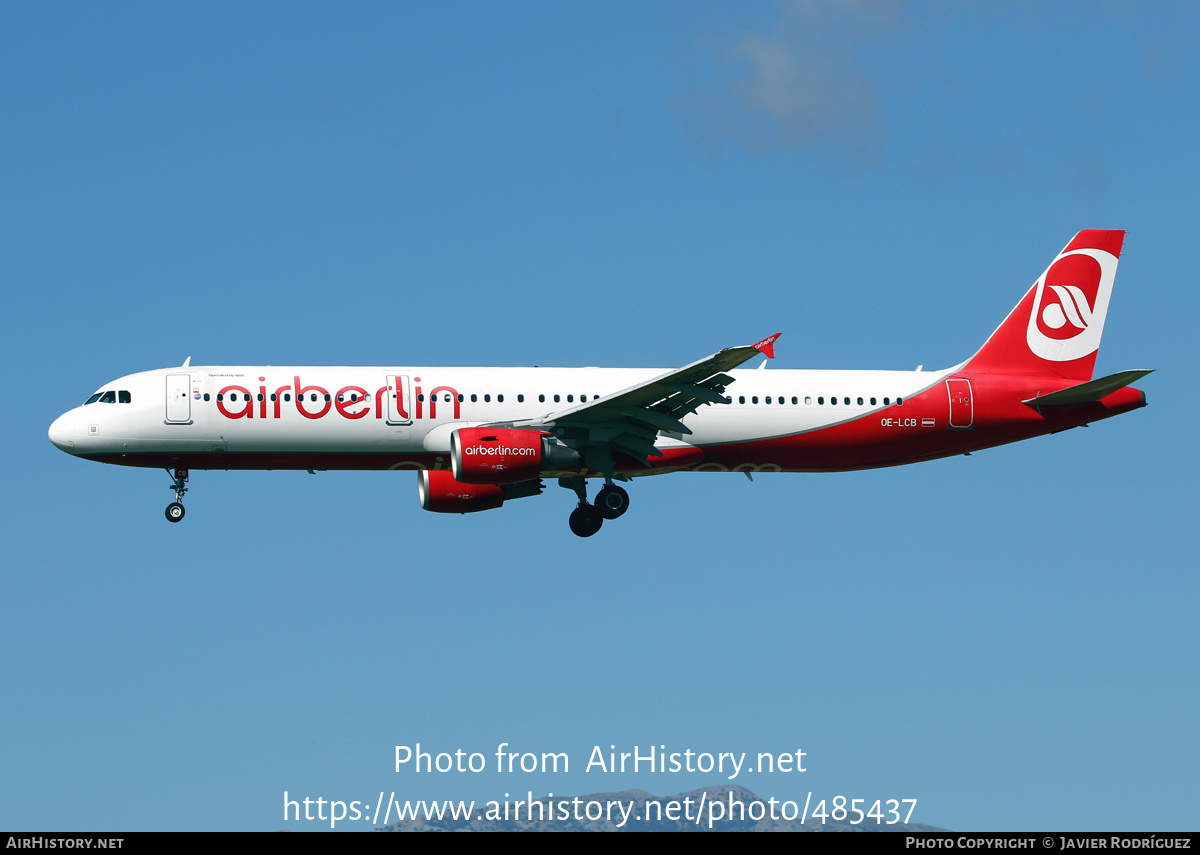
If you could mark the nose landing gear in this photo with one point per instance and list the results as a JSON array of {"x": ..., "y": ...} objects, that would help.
[{"x": 179, "y": 479}]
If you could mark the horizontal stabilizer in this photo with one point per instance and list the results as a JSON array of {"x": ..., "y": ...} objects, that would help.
[{"x": 1093, "y": 390}]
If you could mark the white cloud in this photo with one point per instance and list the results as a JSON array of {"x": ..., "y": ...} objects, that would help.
[{"x": 801, "y": 84}]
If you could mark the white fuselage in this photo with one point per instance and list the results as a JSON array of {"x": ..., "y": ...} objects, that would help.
[{"x": 177, "y": 411}]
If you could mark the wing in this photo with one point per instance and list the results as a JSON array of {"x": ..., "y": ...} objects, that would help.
[{"x": 629, "y": 420}]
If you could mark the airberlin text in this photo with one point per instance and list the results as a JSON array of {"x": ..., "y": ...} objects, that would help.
[
  {"x": 493, "y": 450},
  {"x": 349, "y": 402}
]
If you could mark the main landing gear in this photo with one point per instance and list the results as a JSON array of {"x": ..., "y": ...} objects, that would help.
[
  {"x": 610, "y": 503},
  {"x": 179, "y": 485}
]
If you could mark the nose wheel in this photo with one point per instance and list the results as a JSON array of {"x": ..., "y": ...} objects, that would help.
[{"x": 175, "y": 510}]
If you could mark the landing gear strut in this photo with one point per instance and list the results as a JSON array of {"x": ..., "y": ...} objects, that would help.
[
  {"x": 586, "y": 519},
  {"x": 179, "y": 485}
]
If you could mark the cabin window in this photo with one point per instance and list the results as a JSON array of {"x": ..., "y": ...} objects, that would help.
[
  {"x": 541, "y": 399},
  {"x": 260, "y": 396},
  {"x": 487, "y": 399},
  {"x": 860, "y": 402},
  {"x": 556, "y": 399},
  {"x": 520, "y": 399},
  {"x": 741, "y": 399},
  {"x": 570, "y": 399},
  {"x": 899, "y": 402},
  {"x": 768, "y": 399},
  {"x": 474, "y": 398},
  {"x": 499, "y": 399},
  {"x": 808, "y": 400},
  {"x": 287, "y": 396},
  {"x": 206, "y": 396}
]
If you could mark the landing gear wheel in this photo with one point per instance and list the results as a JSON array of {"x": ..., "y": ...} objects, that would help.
[
  {"x": 585, "y": 521},
  {"x": 612, "y": 501},
  {"x": 179, "y": 484}
]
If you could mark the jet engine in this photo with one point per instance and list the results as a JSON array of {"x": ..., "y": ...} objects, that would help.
[
  {"x": 441, "y": 493},
  {"x": 506, "y": 455}
]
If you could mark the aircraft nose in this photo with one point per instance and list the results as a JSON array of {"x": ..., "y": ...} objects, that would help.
[{"x": 62, "y": 432}]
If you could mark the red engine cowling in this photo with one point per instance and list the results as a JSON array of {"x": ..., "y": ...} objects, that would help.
[
  {"x": 495, "y": 455},
  {"x": 441, "y": 493}
]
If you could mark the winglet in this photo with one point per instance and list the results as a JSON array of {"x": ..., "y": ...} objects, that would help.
[{"x": 767, "y": 346}]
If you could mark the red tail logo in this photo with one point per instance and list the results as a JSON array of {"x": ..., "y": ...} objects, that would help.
[
  {"x": 1056, "y": 328},
  {"x": 1069, "y": 305},
  {"x": 1067, "y": 297}
]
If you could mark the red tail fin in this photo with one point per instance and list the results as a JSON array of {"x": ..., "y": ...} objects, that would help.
[{"x": 1056, "y": 328}]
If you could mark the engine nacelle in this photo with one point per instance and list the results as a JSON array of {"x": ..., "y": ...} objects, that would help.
[
  {"x": 441, "y": 493},
  {"x": 496, "y": 455}
]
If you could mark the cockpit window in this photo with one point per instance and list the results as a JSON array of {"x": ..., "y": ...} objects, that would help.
[
  {"x": 124, "y": 397},
  {"x": 109, "y": 397},
  {"x": 93, "y": 399}
]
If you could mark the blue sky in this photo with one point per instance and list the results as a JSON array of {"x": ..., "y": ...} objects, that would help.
[{"x": 1009, "y": 638}]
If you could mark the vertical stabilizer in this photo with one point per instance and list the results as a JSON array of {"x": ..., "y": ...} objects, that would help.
[{"x": 1056, "y": 328}]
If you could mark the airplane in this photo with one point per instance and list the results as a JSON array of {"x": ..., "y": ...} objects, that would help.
[{"x": 478, "y": 437}]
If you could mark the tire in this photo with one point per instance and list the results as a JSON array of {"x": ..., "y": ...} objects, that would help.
[
  {"x": 585, "y": 521},
  {"x": 612, "y": 501},
  {"x": 175, "y": 512}
]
